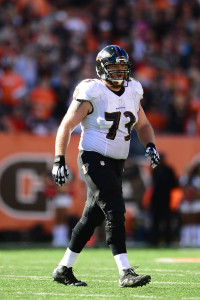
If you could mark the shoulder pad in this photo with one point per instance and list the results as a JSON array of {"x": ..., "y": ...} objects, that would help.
[
  {"x": 137, "y": 87},
  {"x": 86, "y": 90},
  {"x": 88, "y": 83}
]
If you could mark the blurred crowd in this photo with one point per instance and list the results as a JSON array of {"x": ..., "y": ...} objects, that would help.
[
  {"x": 48, "y": 46},
  {"x": 162, "y": 209}
]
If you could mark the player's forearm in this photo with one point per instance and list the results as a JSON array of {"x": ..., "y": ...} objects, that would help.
[
  {"x": 62, "y": 140},
  {"x": 146, "y": 134}
]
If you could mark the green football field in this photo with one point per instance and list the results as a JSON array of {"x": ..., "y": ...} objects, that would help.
[{"x": 25, "y": 273}]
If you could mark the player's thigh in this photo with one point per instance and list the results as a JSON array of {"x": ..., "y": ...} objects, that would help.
[{"x": 100, "y": 176}]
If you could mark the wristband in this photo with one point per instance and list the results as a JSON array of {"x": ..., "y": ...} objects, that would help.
[
  {"x": 59, "y": 159},
  {"x": 151, "y": 145}
]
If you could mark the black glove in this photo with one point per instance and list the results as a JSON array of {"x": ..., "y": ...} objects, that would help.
[
  {"x": 152, "y": 152},
  {"x": 60, "y": 171}
]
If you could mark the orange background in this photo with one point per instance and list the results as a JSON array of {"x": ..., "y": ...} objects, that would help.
[
  {"x": 24, "y": 143},
  {"x": 179, "y": 152}
]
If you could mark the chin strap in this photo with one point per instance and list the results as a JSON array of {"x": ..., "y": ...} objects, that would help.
[{"x": 123, "y": 84}]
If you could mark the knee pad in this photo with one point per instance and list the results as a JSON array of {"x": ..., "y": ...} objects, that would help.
[
  {"x": 113, "y": 218},
  {"x": 81, "y": 234},
  {"x": 92, "y": 216},
  {"x": 115, "y": 228},
  {"x": 86, "y": 225},
  {"x": 84, "y": 229}
]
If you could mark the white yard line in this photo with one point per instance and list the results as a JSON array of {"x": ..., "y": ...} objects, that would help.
[
  {"x": 169, "y": 271},
  {"x": 178, "y": 259},
  {"x": 105, "y": 296},
  {"x": 102, "y": 296},
  {"x": 190, "y": 298},
  {"x": 91, "y": 295},
  {"x": 15, "y": 277}
]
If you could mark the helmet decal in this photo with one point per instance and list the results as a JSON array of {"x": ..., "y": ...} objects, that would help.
[{"x": 116, "y": 48}]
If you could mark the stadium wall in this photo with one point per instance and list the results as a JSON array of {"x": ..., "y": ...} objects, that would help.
[{"x": 24, "y": 158}]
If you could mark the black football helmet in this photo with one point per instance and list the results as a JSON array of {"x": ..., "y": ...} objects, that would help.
[{"x": 113, "y": 55}]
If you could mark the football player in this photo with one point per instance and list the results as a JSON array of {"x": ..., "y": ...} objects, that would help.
[{"x": 108, "y": 108}]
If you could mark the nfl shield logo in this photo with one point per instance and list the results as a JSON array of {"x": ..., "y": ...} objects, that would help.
[{"x": 85, "y": 168}]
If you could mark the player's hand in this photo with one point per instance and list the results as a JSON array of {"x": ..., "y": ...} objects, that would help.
[
  {"x": 152, "y": 152},
  {"x": 60, "y": 171}
]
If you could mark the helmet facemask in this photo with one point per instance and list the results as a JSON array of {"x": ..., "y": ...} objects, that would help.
[{"x": 111, "y": 73}]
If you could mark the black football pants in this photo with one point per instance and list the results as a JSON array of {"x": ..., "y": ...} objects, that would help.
[{"x": 103, "y": 177}]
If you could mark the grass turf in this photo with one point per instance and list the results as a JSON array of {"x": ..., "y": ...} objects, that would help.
[{"x": 25, "y": 273}]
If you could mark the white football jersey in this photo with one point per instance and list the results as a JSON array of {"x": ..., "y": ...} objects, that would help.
[{"x": 107, "y": 129}]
